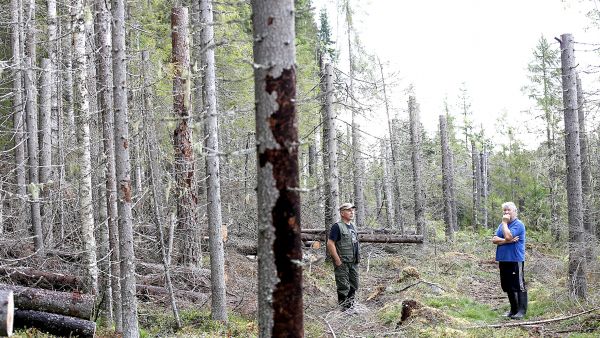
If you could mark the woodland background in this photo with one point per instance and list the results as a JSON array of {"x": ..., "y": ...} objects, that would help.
[{"x": 59, "y": 134}]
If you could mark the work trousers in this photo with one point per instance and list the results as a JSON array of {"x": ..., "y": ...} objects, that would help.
[{"x": 346, "y": 280}]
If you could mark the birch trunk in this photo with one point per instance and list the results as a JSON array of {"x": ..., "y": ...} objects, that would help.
[
  {"x": 213, "y": 191},
  {"x": 53, "y": 45},
  {"x": 32, "y": 151},
  {"x": 122, "y": 172},
  {"x": 82, "y": 111},
  {"x": 586, "y": 176},
  {"x": 415, "y": 140},
  {"x": 577, "y": 262},
  {"x": 280, "y": 309},
  {"x": 190, "y": 253},
  {"x": 446, "y": 179},
  {"x": 105, "y": 100}
]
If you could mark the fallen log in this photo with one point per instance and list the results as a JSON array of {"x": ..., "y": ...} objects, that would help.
[
  {"x": 42, "y": 279},
  {"x": 72, "y": 304},
  {"x": 371, "y": 238},
  {"x": 55, "y": 324},
  {"x": 361, "y": 231},
  {"x": 143, "y": 291},
  {"x": 7, "y": 308}
]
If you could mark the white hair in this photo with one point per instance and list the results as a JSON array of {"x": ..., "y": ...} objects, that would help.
[{"x": 511, "y": 206}]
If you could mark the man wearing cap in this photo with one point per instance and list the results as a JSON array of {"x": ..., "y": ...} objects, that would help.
[{"x": 343, "y": 247}]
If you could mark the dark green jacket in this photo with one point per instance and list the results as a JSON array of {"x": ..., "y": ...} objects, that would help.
[{"x": 344, "y": 246}]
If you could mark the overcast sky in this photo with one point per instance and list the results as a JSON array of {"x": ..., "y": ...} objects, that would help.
[{"x": 439, "y": 44}]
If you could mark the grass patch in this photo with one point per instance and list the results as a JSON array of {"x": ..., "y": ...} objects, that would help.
[{"x": 461, "y": 307}]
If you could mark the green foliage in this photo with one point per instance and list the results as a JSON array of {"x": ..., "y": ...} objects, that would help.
[{"x": 390, "y": 313}]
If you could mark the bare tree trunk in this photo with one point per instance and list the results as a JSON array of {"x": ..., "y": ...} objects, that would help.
[
  {"x": 182, "y": 138},
  {"x": 46, "y": 87},
  {"x": 105, "y": 99},
  {"x": 331, "y": 172},
  {"x": 122, "y": 172},
  {"x": 586, "y": 177},
  {"x": 53, "y": 44},
  {"x": 213, "y": 192},
  {"x": 280, "y": 309},
  {"x": 577, "y": 262},
  {"x": 155, "y": 180},
  {"x": 476, "y": 184},
  {"x": 388, "y": 186},
  {"x": 18, "y": 109},
  {"x": 484, "y": 187},
  {"x": 86, "y": 209},
  {"x": 32, "y": 149},
  {"x": 446, "y": 179},
  {"x": 7, "y": 309},
  {"x": 415, "y": 140},
  {"x": 398, "y": 190},
  {"x": 358, "y": 164}
]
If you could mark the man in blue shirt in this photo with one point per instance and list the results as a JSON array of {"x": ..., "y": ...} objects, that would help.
[{"x": 510, "y": 254}]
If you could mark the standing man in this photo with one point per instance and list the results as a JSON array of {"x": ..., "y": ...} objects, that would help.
[
  {"x": 510, "y": 254},
  {"x": 342, "y": 245}
]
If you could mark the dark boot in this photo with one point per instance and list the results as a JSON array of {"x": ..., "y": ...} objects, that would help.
[
  {"x": 342, "y": 301},
  {"x": 522, "y": 300},
  {"x": 512, "y": 298}
]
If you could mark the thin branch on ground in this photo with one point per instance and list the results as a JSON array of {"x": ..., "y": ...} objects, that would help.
[{"x": 534, "y": 322}]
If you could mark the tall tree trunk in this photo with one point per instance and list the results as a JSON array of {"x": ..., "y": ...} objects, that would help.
[
  {"x": 53, "y": 45},
  {"x": 388, "y": 186},
  {"x": 280, "y": 309},
  {"x": 476, "y": 184},
  {"x": 122, "y": 170},
  {"x": 182, "y": 138},
  {"x": 213, "y": 192},
  {"x": 483, "y": 156},
  {"x": 394, "y": 159},
  {"x": 105, "y": 99},
  {"x": 586, "y": 176},
  {"x": 577, "y": 263},
  {"x": 155, "y": 176},
  {"x": 358, "y": 165},
  {"x": 398, "y": 187},
  {"x": 17, "y": 106},
  {"x": 32, "y": 150},
  {"x": 46, "y": 87},
  {"x": 415, "y": 140},
  {"x": 446, "y": 179},
  {"x": 82, "y": 111},
  {"x": 330, "y": 165}
]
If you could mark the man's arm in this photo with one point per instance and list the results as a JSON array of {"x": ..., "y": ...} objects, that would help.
[
  {"x": 507, "y": 234},
  {"x": 499, "y": 240},
  {"x": 333, "y": 252}
]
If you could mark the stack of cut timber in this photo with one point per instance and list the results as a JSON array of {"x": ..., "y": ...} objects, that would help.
[
  {"x": 54, "y": 312},
  {"x": 7, "y": 309}
]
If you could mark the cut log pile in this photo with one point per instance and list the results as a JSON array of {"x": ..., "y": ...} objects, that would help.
[
  {"x": 55, "y": 312},
  {"x": 366, "y": 236}
]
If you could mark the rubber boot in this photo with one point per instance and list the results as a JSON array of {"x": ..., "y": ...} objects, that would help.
[
  {"x": 522, "y": 299},
  {"x": 342, "y": 301},
  {"x": 512, "y": 298}
]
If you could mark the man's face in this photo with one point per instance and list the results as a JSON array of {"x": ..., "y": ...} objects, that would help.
[
  {"x": 347, "y": 214},
  {"x": 509, "y": 212}
]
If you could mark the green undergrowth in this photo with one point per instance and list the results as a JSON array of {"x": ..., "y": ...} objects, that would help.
[{"x": 462, "y": 307}]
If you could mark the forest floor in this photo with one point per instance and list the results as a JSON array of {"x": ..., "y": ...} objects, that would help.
[{"x": 452, "y": 288}]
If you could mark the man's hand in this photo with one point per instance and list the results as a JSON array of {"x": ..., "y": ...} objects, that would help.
[
  {"x": 337, "y": 262},
  {"x": 505, "y": 218}
]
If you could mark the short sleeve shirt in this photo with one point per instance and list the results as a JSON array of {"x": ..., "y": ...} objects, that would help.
[{"x": 512, "y": 252}]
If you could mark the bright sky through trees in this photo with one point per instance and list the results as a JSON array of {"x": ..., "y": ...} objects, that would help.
[{"x": 437, "y": 45}]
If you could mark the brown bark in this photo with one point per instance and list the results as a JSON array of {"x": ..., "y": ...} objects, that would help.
[
  {"x": 7, "y": 308},
  {"x": 72, "y": 304},
  {"x": 55, "y": 324}
]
